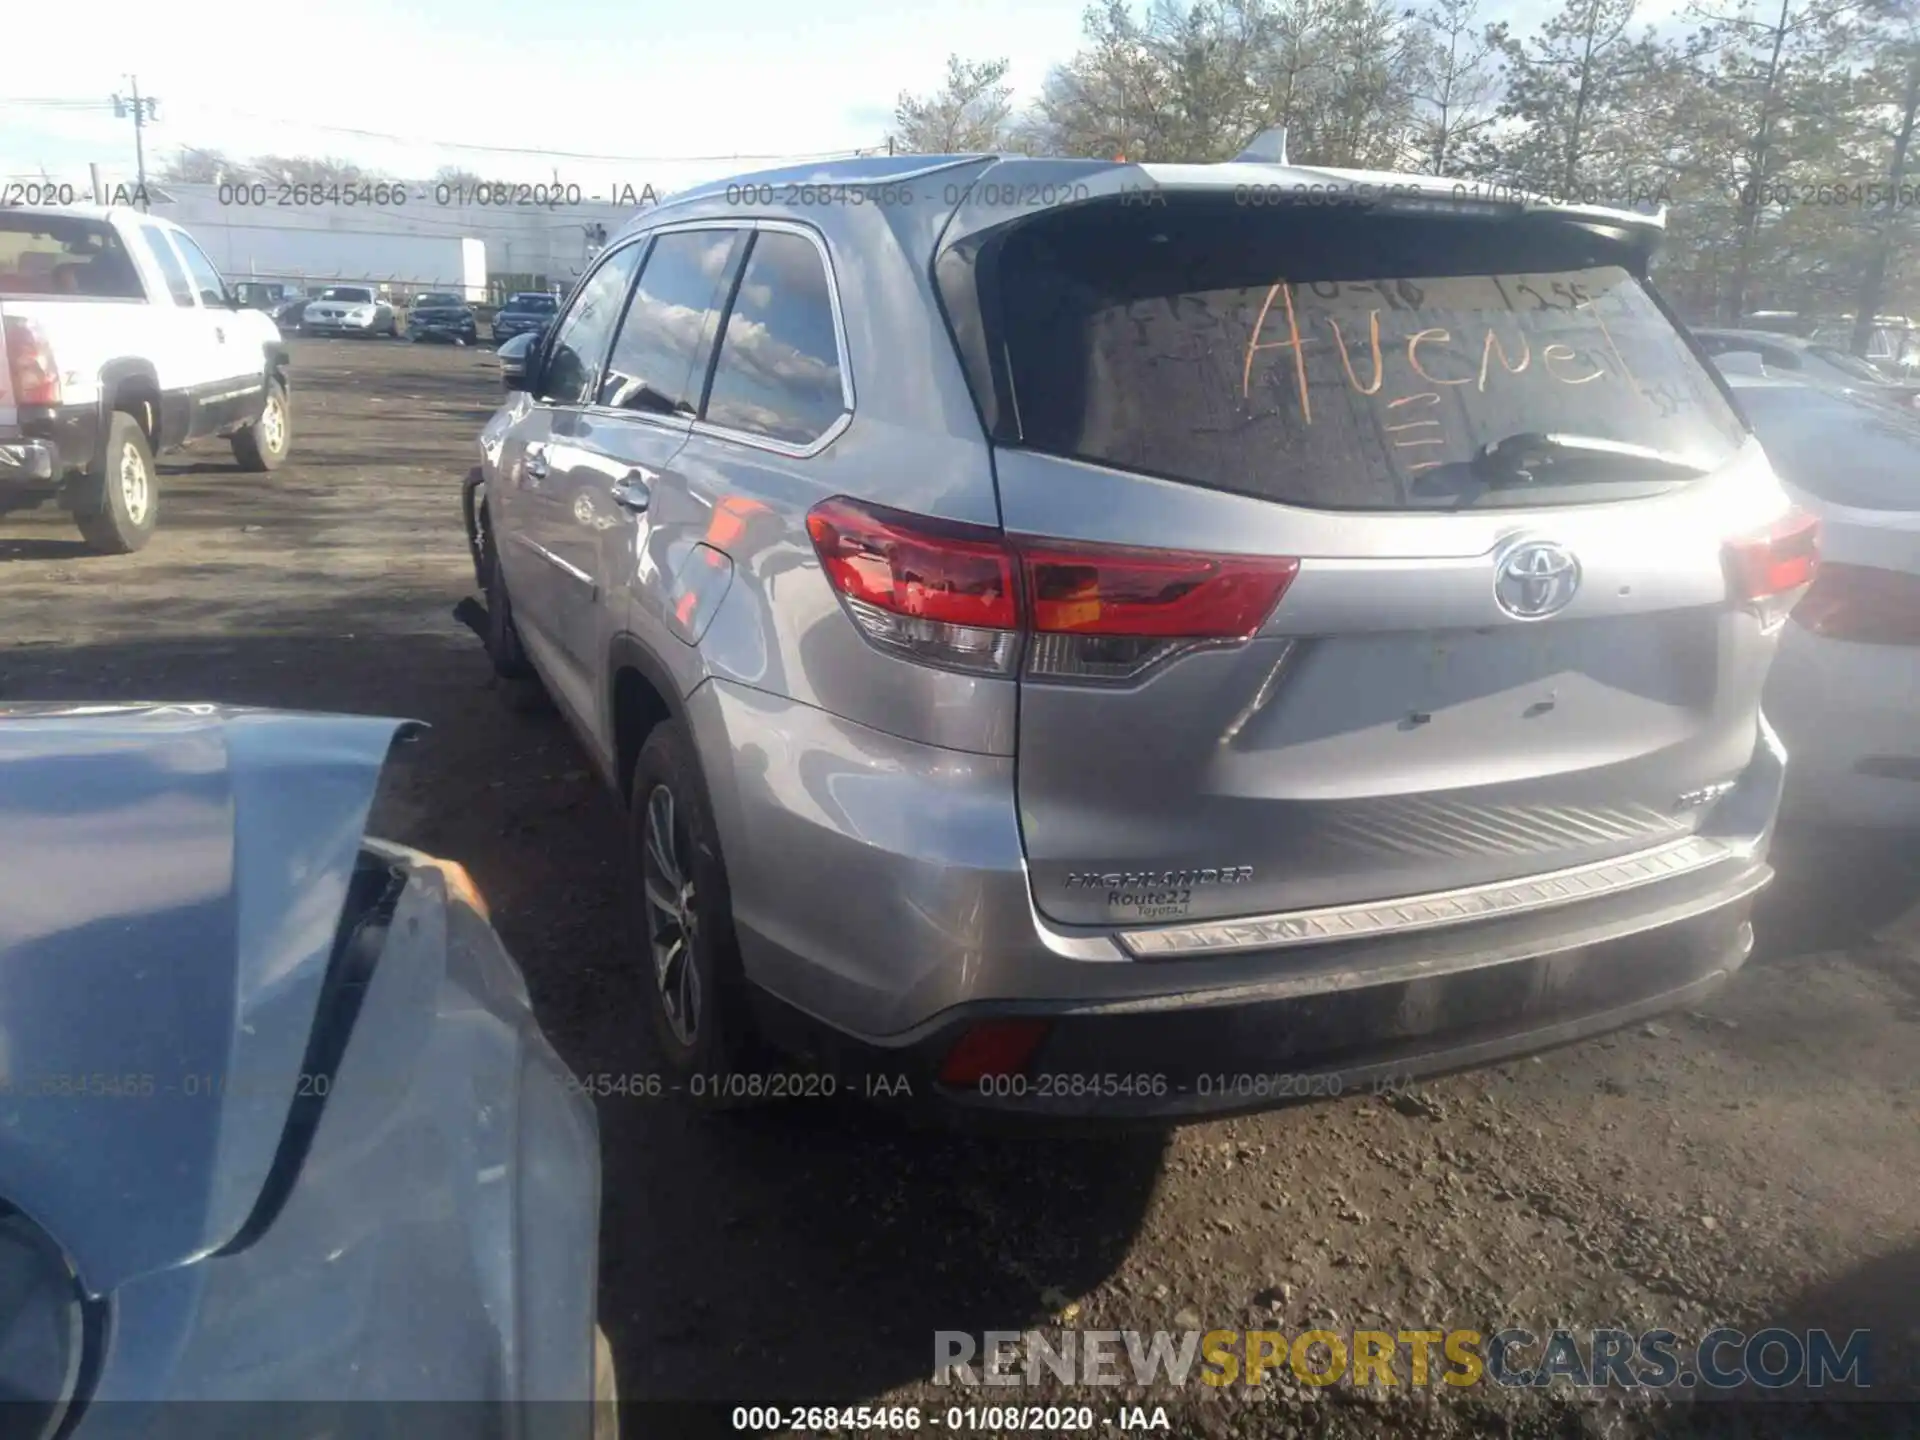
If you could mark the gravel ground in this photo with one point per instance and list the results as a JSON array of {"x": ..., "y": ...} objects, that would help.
[{"x": 1753, "y": 1163}]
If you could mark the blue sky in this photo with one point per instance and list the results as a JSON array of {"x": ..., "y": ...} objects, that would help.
[{"x": 736, "y": 77}]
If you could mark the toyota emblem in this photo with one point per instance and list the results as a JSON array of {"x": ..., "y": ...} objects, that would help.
[{"x": 1535, "y": 578}]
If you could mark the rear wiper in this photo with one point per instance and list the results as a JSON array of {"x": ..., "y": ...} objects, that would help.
[{"x": 1512, "y": 460}]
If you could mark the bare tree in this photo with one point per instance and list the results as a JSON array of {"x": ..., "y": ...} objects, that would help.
[
  {"x": 967, "y": 115},
  {"x": 1892, "y": 86},
  {"x": 1563, "y": 87},
  {"x": 313, "y": 170},
  {"x": 193, "y": 166},
  {"x": 1459, "y": 82}
]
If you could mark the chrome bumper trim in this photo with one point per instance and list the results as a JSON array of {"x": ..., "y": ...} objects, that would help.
[{"x": 1427, "y": 912}]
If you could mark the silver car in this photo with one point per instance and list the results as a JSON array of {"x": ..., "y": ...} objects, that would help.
[
  {"x": 283, "y": 1149},
  {"x": 349, "y": 310},
  {"x": 1085, "y": 637}
]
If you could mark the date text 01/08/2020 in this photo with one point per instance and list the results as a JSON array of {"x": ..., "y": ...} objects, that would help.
[
  {"x": 1074, "y": 1085},
  {"x": 893, "y": 1419}
]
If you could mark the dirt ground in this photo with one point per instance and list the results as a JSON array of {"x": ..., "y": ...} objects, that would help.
[{"x": 1754, "y": 1163}]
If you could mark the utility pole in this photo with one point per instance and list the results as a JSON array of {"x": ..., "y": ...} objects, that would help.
[{"x": 142, "y": 111}]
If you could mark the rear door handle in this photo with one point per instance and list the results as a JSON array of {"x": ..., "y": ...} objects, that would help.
[{"x": 634, "y": 490}]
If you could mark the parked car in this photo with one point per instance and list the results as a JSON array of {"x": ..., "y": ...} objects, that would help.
[
  {"x": 279, "y": 1122},
  {"x": 1893, "y": 344},
  {"x": 1814, "y": 361},
  {"x": 283, "y": 303},
  {"x": 528, "y": 312},
  {"x": 349, "y": 310},
  {"x": 1048, "y": 656},
  {"x": 1845, "y": 690},
  {"x": 118, "y": 341},
  {"x": 288, "y": 313},
  {"x": 439, "y": 315}
]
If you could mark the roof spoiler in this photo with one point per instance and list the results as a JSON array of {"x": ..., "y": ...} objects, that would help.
[{"x": 1269, "y": 147}]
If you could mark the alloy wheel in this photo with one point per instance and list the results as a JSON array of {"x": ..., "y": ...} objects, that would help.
[
  {"x": 672, "y": 914},
  {"x": 273, "y": 425},
  {"x": 136, "y": 486}
]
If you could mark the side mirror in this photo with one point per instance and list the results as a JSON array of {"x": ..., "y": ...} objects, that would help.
[{"x": 520, "y": 362}]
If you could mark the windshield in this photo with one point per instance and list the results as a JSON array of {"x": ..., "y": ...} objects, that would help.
[
  {"x": 541, "y": 304},
  {"x": 1343, "y": 360},
  {"x": 437, "y": 300},
  {"x": 347, "y": 292}
]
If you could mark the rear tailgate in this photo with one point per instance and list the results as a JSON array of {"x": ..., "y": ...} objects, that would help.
[{"x": 1472, "y": 677}]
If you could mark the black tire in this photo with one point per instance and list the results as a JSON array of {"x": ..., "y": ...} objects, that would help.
[
  {"x": 110, "y": 520},
  {"x": 517, "y": 681},
  {"x": 713, "y": 1056},
  {"x": 256, "y": 447}
]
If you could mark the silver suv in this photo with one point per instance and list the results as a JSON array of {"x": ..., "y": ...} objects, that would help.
[{"x": 1091, "y": 637}]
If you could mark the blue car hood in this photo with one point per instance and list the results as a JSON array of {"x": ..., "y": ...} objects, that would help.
[{"x": 173, "y": 881}]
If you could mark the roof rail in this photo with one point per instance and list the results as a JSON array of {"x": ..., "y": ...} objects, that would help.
[{"x": 1269, "y": 147}]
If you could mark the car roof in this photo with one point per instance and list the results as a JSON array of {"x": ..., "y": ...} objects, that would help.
[
  {"x": 109, "y": 213},
  {"x": 1058, "y": 181}
]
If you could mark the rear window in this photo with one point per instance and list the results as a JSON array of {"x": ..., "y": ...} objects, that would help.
[
  {"x": 64, "y": 255},
  {"x": 1332, "y": 358},
  {"x": 540, "y": 304},
  {"x": 1802, "y": 429}
]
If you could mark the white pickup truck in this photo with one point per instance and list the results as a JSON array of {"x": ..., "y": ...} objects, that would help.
[{"x": 119, "y": 339}]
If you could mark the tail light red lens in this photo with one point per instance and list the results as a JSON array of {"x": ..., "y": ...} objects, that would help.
[
  {"x": 1864, "y": 604},
  {"x": 35, "y": 378},
  {"x": 1109, "y": 590},
  {"x": 1781, "y": 558},
  {"x": 963, "y": 596},
  {"x": 928, "y": 569},
  {"x": 995, "y": 1047},
  {"x": 1768, "y": 572}
]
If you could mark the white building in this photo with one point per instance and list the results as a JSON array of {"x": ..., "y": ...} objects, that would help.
[{"x": 428, "y": 240}]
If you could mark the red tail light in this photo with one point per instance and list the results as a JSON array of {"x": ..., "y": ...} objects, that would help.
[
  {"x": 1864, "y": 604},
  {"x": 995, "y": 1047},
  {"x": 30, "y": 367},
  {"x": 963, "y": 595},
  {"x": 1769, "y": 571}
]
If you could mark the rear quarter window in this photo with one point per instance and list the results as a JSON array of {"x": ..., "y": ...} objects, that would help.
[
  {"x": 1334, "y": 359},
  {"x": 61, "y": 255}
]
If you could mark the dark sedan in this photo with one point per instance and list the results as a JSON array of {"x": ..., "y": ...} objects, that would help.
[
  {"x": 442, "y": 316},
  {"x": 524, "y": 314}
]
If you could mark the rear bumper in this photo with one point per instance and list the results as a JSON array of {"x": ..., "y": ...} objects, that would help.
[
  {"x": 883, "y": 907},
  {"x": 1846, "y": 712},
  {"x": 28, "y": 462},
  {"x": 1183, "y": 1056}
]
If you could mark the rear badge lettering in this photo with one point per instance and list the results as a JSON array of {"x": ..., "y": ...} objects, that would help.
[
  {"x": 1706, "y": 795},
  {"x": 1156, "y": 894}
]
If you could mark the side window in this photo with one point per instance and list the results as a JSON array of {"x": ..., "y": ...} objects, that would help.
[
  {"x": 779, "y": 370},
  {"x": 580, "y": 339},
  {"x": 206, "y": 279},
  {"x": 659, "y": 359},
  {"x": 177, "y": 283}
]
